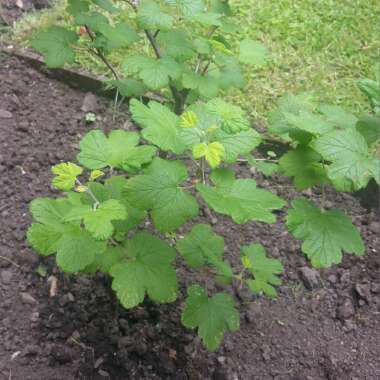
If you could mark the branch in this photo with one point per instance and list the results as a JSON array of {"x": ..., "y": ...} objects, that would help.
[
  {"x": 99, "y": 53},
  {"x": 179, "y": 96},
  {"x": 153, "y": 42}
]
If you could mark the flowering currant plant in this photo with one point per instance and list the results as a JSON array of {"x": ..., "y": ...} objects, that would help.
[{"x": 182, "y": 153}]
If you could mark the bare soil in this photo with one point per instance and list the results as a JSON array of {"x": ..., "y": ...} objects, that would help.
[
  {"x": 324, "y": 325},
  {"x": 11, "y": 10}
]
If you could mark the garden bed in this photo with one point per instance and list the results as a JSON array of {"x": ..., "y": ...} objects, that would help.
[{"x": 324, "y": 325}]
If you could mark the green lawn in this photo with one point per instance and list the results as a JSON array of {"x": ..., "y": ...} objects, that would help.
[{"x": 321, "y": 46}]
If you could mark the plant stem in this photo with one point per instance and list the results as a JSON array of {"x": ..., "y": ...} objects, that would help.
[
  {"x": 203, "y": 170},
  {"x": 178, "y": 96},
  {"x": 115, "y": 105},
  {"x": 99, "y": 54},
  {"x": 90, "y": 193}
]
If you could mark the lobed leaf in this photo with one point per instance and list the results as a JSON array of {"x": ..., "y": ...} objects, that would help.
[
  {"x": 160, "y": 125},
  {"x": 119, "y": 150},
  {"x": 159, "y": 191},
  {"x": 55, "y": 44},
  {"x": 325, "y": 234},
  {"x": 147, "y": 270},
  {"x": 202, "y": 247},
  {"x": 240, "y": 198},
  {"x": 350, "y": 158},
  {"x": 263, "y": 269},
  {"x": 303, "y": 163},
  {"x": 212, "y": 316}
]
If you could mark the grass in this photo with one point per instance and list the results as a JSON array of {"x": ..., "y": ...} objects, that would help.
[{"x": 321, "y": 46}]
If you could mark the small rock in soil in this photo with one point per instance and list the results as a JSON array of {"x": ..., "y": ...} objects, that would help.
[
  {"x": 349, "y": 325},
  {"x": 310, "y": 277},
  {"x": 253, "y": 313},
  {"x": 61, "y": 354},
  {"x": 346, "y": 310},
  {"x": 31, "y": 350},
  {"x": 90, "y": 103},
  {"x": 23, "y": 126},
  {"x": 27, "y": 298},
  {"x": 167, "y": 364},
  {"x": 4, "y": 114},
  {"x": 34, "y": 317},
  {"x": 243, "y": 294},
  {"x": 6, "y": 276},
  {"x": 363, "y": 291},
  {"x": 332, "y": 279},
  {"x": 124, "y": 341},
  {"x": 375, "y": 288},
  {"x": 266, "y": 352},
  {"x": 375, "y": 227}
]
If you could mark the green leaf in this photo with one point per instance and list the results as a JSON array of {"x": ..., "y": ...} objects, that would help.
[
  {"x": 213, "y": 152},
  {"x": 189, "y": 119},
  {"x": 118, "y": 150},
  {"x": 50, "y": 211},
  {"x": 208, "y": 19},
  {"x": 159, "y": 190},
  {"x": 66, "y": 175},
  {"x": 206, "y": 85},
  {"x": 155, "y": 73},
  {"x": 308, "y": 122},
  {"x": 288, "y": 104},
  {"x": 176, "y": 43},
  {"x": 371, "y": 89},
  {"x": 76, "y": 250},
  {"x": 232, "y": 117},
  {"x": 212, "y": 316},
  {"x": 94, "y": 20},
  {"x": 263, "y": 269},
  {"x": 105, "y": 260},
  {"x": 267, "y": 168},
  {"x": 118, "y": 36},
  {"x": 231, "y": 74},
  {"x": 99, "y": 221},
  {"x": 238, "y": 144},
  {"x": 161, "y": 126},
  {"x": 106, "y": 5},
  {"x": 44, "y": 238},
  {"x": 252, "y": 52},
  {"x": 137, "y": 157},
  {"x": 94, "y": 150},
  {"x": 338, "y": 117},
  {"x": 188, "y": 7},
  {"x": 369, "y": 127},
  {"x": 115, "y": 190},
  {"x": 240, "y": 198},
  {"x": 202, "y": 247},
  {"x": 303, "y": 163},
  {"x": 76, "y": 7},
  {"x": 150, "y": 16},
  {"x": 220, "y": 6},
  {"x": 349, "y": 156},
  {"x": 324, "y": 234},
  {"x": 130, "y": 87},
  {"x": 55, "y": 44},
  {"x": 148, "y": 270}
]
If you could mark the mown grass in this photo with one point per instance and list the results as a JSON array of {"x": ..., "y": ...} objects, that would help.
[{"x": 321, "y": 46}]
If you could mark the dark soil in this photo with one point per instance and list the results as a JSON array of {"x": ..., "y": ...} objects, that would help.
[
  {"x": 324, "y": 325},
  {"x": 11, "y": 10}
]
